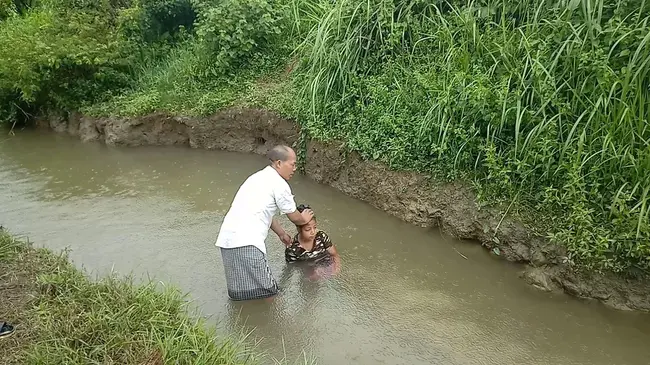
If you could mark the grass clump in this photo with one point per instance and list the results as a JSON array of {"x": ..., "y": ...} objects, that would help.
[{"x": 63, "y": 317}]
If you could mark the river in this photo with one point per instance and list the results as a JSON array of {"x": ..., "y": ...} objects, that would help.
[{"x": 405, "y": 295}]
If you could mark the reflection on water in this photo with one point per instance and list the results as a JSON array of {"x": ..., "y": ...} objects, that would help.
[{"x": 403, "y": 296}]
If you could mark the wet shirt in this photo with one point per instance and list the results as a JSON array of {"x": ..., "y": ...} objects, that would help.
[{"x": 295, "y": 253}]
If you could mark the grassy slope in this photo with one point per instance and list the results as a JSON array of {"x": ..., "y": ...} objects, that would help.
[{"x": 62, "y": 316}]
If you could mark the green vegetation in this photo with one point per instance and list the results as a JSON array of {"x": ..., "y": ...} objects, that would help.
[
  {"x": 63, "y": 317},
  {"x": 545, "y": 102},
  {"x": 540, "y": 103}
]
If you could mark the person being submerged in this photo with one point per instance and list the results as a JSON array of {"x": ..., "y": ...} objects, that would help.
[{"x": 313, "y": 245}]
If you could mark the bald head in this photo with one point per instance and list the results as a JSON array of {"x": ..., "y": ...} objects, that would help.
[
  {"x": 283, "y": 160},
  {"x": 280, "y": 153}
]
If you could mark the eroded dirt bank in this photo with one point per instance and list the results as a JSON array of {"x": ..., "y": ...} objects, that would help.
[{"x": 409, "y": 196}]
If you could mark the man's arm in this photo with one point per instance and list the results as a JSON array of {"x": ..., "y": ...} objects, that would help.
[
  {"x": 282, "y": 234},
  {"x": 277, "y": 228},
  {"x": 284, "y": 200}
]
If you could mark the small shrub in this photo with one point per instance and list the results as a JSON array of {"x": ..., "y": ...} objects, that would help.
[
  {"x": 61, "y": 61},
  {"x": 235, "y": 31}
]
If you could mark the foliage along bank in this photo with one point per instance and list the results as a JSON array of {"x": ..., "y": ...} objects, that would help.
[{"x": 541, "y": 104}]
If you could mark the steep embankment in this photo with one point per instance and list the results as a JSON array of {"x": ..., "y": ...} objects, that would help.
[{"x": 409, "y": 196}]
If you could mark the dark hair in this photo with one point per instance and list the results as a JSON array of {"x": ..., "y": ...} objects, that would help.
[{"x": 301, "y": 208}]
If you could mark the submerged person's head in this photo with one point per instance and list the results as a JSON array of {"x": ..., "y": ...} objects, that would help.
[
  {"x": 283, "y": 160},
  {"x": 308, "y": 230}
]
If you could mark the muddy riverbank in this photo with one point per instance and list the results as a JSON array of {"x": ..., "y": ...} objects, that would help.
[{"x": 409, "y": 196}]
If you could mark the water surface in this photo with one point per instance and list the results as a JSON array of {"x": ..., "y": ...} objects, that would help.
[{"x": 405, "y": 295}]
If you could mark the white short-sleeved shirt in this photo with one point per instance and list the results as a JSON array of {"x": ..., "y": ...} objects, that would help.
[{"x": 249, "y": 218}]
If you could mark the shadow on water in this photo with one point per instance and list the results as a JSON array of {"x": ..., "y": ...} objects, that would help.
[{"x": 404, "y": 294}]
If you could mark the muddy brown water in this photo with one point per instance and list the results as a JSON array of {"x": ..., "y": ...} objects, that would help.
[{"x": 405, "y": 295}]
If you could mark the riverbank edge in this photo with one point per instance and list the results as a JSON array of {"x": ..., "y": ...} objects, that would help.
[
  {"x": 60, "y": 315},
  {"x": 409, "y": 196}
]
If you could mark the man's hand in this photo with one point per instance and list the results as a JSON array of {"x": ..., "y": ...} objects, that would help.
[
  {"x": 285, "y": 238},
  {"x": 307, "y": 215},
  {"x": 299, "y": 218}
]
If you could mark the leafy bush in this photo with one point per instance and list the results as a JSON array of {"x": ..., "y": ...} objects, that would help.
[
  {"x": 7, "y": 8},
  {"x": 56, "y": 60},
  {"x": 178, "y": 84},
  {"x": 235, "y": 31},
  {"x": 163, "y": 19},
  {"x": 235, "y": 42},
  {"x": 64, "y": 54},
  {"x": 12, "y": 7}
]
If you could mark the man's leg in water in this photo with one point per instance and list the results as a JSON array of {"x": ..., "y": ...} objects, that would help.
[
  {"x": 248, "y": 274},
  {"x": 270, "y": 298}
]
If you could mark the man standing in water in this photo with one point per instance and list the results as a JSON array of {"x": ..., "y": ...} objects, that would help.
[{"x": 246, "y": 225}]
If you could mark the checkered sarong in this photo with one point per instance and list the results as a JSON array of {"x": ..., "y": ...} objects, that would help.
[{"x": 248, "y": 275}]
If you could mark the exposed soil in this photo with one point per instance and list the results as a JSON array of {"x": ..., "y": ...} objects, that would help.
[{"x": 406, "y": 195}]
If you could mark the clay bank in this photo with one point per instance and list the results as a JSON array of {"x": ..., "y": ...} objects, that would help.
[{"x": 405, "y": 294}]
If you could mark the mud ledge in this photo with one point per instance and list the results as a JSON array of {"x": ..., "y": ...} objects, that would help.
[{"x": 407, "y": 195}]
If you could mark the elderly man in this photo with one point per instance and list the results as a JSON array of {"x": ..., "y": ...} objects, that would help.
[{"x": 246, "y": 225}]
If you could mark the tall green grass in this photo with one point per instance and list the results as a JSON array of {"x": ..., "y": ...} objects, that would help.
[
  {"x": 541, "y": 101},
  {"x": 9, "y": 246},
  {"x": 175, "y": 84}
]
